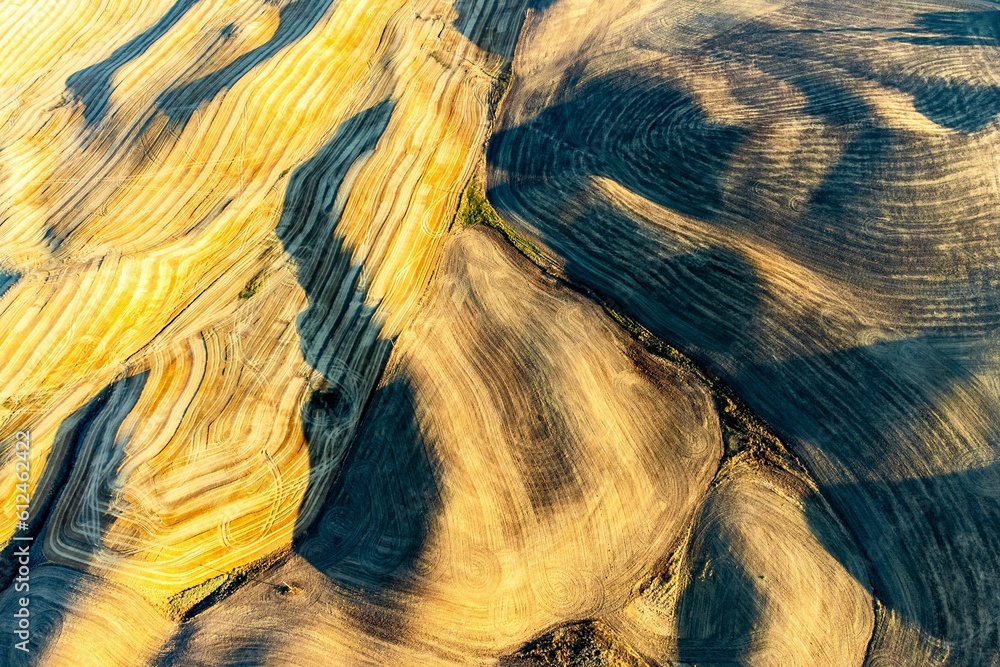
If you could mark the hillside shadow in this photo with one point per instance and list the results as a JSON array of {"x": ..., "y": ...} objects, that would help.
[
  {"x": 7, "y": 280},
  {"x": 92, "y": 85},
  {"x": 932, "y": 540},
  {"x": 651, "y": 138},
  {"x": 91, "y": 427},
  {"x": 858, "y": 410},
  {"x": 638, "y": 130},
  {"x": 654, "y": 140},
  {"x": 948, "y": 28},
  {"x": 717, "y": 615},
  {"x": 123, "y": 150},
  {"x": 372, "y": 491},
  {"x": 338, "y": 333},
  {"x": 957, "y": 28},
  {"x": 718, "y": 611},
  {"x": 366, "y": 532},
  {"x": 372, "y": 529},
  {"x": 85, "y": 447},
  {"x": 958, "y": 105},
  {"x": 494, "y": 25},
  {"x": 307, "y": 229},
  {"x": 295, "y": 20},
  {"x": 367, "y": 540},
  {"x": 54, "y": 592},
  {"x": 961, "y": 106},
  {"x": 940, "y": 541},
  {"x": 709, "y": 297}
]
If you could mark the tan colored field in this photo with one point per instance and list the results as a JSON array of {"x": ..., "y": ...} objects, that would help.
[{"x": 500, "y": 332}]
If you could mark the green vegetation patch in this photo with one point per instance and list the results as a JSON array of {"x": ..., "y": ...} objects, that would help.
[
  {"x": 200, "y": 597},
  {"x": 253, "y": 286},
  {"x": 475, "y": 209},
  {"x": 189, "y": 597}
]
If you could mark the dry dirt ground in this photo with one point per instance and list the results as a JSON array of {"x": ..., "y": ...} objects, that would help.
[{"x": 501, "y": 332}]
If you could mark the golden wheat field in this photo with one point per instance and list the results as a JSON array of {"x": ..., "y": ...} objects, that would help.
[{"x": 584, "y": 333}]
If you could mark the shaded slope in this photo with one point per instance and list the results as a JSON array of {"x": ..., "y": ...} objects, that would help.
[{"x": 832, "y": 262}]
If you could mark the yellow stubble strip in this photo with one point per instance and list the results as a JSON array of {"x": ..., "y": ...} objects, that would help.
[{"x": 153, "y": 253}]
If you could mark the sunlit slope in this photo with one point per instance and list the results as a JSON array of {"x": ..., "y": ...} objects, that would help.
[
  {"x": 85, "y": 621},
  {"x": 759, "y": 582},
  {"x": 215, "y": 217},
  {"x": 523, "y": 464},
  {"x": 286, "y": 410},
  {"x": 805, "y": 197}
]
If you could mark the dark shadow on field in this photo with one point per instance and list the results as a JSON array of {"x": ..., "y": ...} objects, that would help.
[
  {"x": 719, "y": 610},
  {"x": 339, "y": 339},
  {"x": 371, "y": 489},
  {"x": 494, "y": 25},
  {"x": 895, "y": 407},
  {"x": 373, "y": 522},
  {"x": 337, "y": 325},
  {"x": 295, "y": 21},
  {"x": 954, "y": 28},
  {"x": 948, "y": 553},
  {"x": 307, "y": 229},
  {"x": 682, "y": 291},
  {"x": 651, "y": 138},
  {"x": 93, "y": 427},
  {"x": 368, "y": 540},
  {"x": 92, "y": 85},
  {"x": 51, "y": 592},
  {"x": 124, "y": 148},
  {"x": 96, "y": 454},
  {"x": 7, "y": 280},
  {"x": 959, "y": 105},
  {"x": 717, "y": 615},
  {"x": 85, "y": 449},
  {"x": 632, "y": 127},
  {"x": 377, "y": 517},
  {"x": 975, "y": 28},
  {"x": 880, "y": 411}
]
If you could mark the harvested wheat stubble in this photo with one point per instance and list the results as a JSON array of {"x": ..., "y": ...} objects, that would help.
[
  {"x": 514, "y": 424},
  {"x": 756, "y": 585},
  {"x": 216, "y": 216},
  {"x": 804, "y": 197},
  {"x": 79, "y": 619},
  {"x": 285, "y": 411}
]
